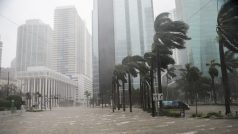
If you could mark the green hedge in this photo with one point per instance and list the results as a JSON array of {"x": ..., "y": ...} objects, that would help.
[
  {"x": 170, "y": 113},
  {"x": 4, "y": 104},
  {"x": 18, "y": 100}
]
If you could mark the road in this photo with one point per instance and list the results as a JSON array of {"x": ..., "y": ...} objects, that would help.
[{"x": 79, "y": 120}]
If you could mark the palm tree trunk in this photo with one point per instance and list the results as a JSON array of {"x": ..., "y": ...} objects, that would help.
[
  {"x": 152, "y": 90},
  {"x": 167, "y": 80},
  {"x": 214, "y": 91},
  {"x": 159, "y": 75},
  {"x": 118, "y": 97},
  {"x": 113, "y": 96},
  {"x": 141, "y": 95},
  {"x": 124, "y": 97},
  {"x": 130, "y": 101},
  {"x": 224, "y": 78}
]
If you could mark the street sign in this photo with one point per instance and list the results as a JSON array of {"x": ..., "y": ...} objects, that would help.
[
  {"x": 160, "y": 96},
  {"x": 155, "y": 96}
]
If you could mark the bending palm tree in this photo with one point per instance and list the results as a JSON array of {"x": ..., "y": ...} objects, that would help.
[
  {"x": 130, "y": 67},
  {"x": 170, "y": 74},
  {"x": 191, "y": 75},
  {"x": 231, "y": 61},
  {"x": 169, "y": 34},
  {"x": 213, "y": 72},
  {"x": 120, "y": 75},
  {"x": 227, "y": 32}
]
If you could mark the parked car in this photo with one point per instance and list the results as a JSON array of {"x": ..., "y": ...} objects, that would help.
[{"x": 175, "y": 105}]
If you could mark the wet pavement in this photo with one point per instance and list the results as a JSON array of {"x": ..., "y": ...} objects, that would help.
[{"x": 79, "y": 120}]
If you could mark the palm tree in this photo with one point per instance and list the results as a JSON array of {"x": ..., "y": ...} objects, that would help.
[
  {"x": 120, "y": 75},
  {"x": 87, "y": 94},
  {"x": 150, "y": 60},
  {"x": 28, "y": 98},
  {"x": 170, "y": 74},
  {"x": 143, "y": 72},
  {"x": 37, "y": 95},
  {"x": 231, "y": 61},
  {"x": 191, "y": 75},
  {"x": 130, "y": 63},
  {"x": 169, "y": 35},
  {"x": 227, "y": 32},
  {"x": 213, "y": 72}
]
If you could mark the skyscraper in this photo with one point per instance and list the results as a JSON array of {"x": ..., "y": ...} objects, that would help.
[
  {"x": 200, "y": 15},
  {"x": 106, "y": 47},
  {"x": 72, "y": 49},
  {"x": 1, "y": 45},
  {"x": 95, "y": 50},
  {"x": 67, "y": 39},
  {"x": 133, "y": 27},
  {"x": 33, "y": 40}
]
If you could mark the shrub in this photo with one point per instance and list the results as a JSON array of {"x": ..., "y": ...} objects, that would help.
[
  {"x": 198, "y": 115},
  {"x": 18, "y": 100},
  {"x": 170, "y": 113},
  {"x": 34, "y": 110},
  {"x": 4, "y": 104},
  {"x": 213, "y": 114}
]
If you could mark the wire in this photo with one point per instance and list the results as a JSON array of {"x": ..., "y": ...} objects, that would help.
[
  {"x": 8, "y": 19},
  {"x": 202, "y": 7}
]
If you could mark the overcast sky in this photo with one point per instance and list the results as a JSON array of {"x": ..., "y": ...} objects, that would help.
[{"x": 15, "y": 12}]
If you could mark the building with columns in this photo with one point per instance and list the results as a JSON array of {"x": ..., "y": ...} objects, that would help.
[{"x": 46, "y": 88}]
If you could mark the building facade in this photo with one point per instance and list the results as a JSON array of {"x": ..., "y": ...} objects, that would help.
[
  {"x": 67, "y": 39},
  {"x": 46, "y": 88},
  {"x": 106, "y": 47},
  {"x": 33, "y": 41},
  {"x": 1, "y": 45},
  {"x": 72, "y": 49},
  {"x": 133, "y": 27},
  {"x": 200, "y": 15}
]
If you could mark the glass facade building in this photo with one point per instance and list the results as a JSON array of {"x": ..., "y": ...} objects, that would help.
[
  {"x": 133, "y": 27},
  {"x": 201, "y": 17}
]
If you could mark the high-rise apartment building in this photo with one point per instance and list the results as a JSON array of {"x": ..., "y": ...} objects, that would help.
[
  {"x": 67, "y": 39},
  {"x": 72, "y": 49},
  {"x": 33, "y": 41}
]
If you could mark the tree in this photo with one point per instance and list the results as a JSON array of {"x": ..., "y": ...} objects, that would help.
[
  {"x": 227, "y": 33},
  {"x": 119, "y": 74},
  {"x": 169, "y": 35},
  {"x": 37, "y": 95},
  {"x": 213, "y": 72},
  {"x": 231, "y": 61},
  {"x": 87, "y": 95},
  {"x": 144, "y": 80},
  {"x": 170, "y": 74},
  {"x": 191, "y": 75},
  {"x": 28, "y": 98},
  {"x": 150, "y": 60},
  {"x": 130, "y": 67}
]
